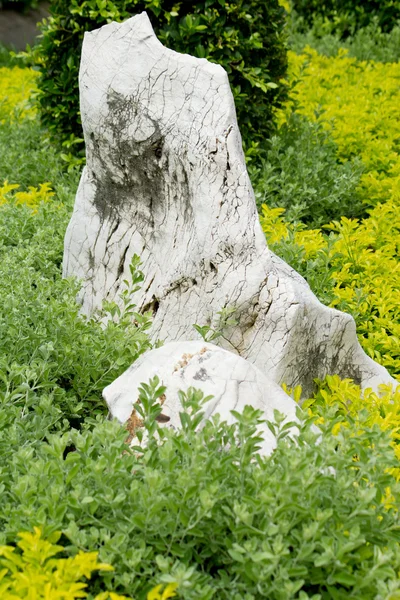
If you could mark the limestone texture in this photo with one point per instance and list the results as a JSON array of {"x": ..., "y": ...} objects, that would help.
[
  {"x": 232, "y": 381},
  {"x": 166, "y": 180}
]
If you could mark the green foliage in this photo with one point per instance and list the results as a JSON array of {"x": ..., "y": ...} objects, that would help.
[
  {"x": 302, "y": 174},
  {"x": 35, "y": 573},
  {"x": 318, "y": 519},
  {"x": 7, "y": 57},
  {"x": 355, "y": 269},
  {"x": 316, "y": 269},
  {"x": 47, "y": 347},
  {"x": 367, "y": 43},
  {"x": 225, "y": 318},
  {"x": 350, "y": 15},
  {"x": 246, "y": 37},
  {"x": 203, "y": 509},
  {"x": 27, "y": 158}
]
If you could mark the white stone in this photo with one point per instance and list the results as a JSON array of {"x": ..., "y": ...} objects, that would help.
[
  {"x": 166, "y": 179},
  {"x": 232, "y": 381}
]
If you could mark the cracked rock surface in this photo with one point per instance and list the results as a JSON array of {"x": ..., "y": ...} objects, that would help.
[
  {"x": 232, "y": 381},
  {"x": 166, "y": 179}
]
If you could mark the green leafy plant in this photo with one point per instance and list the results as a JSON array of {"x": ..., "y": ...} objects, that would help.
[
  {"x": 247, "y": 38},
  {"x": 202, "y": 509},
  {"x": 366, "y": 43},
  {"x": 47, "y": 346},
  {"x": 36, "y": 573},
  {"x": 225, "y": 319},
  {"x": 347, "y": 15},
  {"x": 302, "y": 174}
]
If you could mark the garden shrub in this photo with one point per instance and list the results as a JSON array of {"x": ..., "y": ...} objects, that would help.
[
  {"x": 316, "y": 519},
  {"x": 27, "y": 158},
  {"x": 357, "y": 102},
  {"x": 246, "y": 37},
  {"x": 367, "y": 43},
  {"x": 34, "y": 573},
  {"x": 46, "y": 345},
  {"x": 16, "y": 87},
  {"x": 347, "y": 398},
  {"x": 9, "y": 59},
  {"x": 32, "y": 198},
  {"x": 355, "y": 268},
  {"x": 349, "y": 15},
  {"x": 302, "y": 174}
]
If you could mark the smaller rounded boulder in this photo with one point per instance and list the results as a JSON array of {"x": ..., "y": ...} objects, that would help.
[{"x": 232, "y": 381}]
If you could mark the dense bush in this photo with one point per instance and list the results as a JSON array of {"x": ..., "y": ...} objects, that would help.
[
  {"x": 246, "y": 37},
  {"x": 367, "y": 43},
  {"x": 317, "y": 519},
  {"x": 7, "y": 59},
  {"x": 302, "y": 173},
  {"x": 16, "y": 88},
  {"x": 355, "y": 269},
  {"x": 32, "y": 571},
  {"x": 357, "y": 102},
  {"x": 350, "y": 15},
  {"x": 47, "y": 348},
  {"x": 347, "y": 398},
  {"x": 347, "y": 159}
]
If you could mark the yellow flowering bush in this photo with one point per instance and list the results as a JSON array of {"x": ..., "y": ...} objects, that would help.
[
  {"x": 347, "y": 398},
  {"x": 358, "y": 101},
  {"x": 365, "y": 257},
  {"x": 16, "y": 89},
  {"x": 276, "y": 229},
  {"x": 31, "y": 198},
  {"x": 163, "y": 593},
  {"x": 383, "y": 409},
  {"x": 35, "y": 573}
]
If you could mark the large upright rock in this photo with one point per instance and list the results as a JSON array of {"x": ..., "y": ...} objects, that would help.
[{"x": 166, "y": 179}]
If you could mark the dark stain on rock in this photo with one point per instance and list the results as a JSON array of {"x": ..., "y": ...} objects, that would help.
[
  {"x": 152, "y": 306},
  {"x": 312, "y": 362},
  {"x": 122, "y": 262},
  {"x": 130, "y": 169},
  {"x": 91, "y": 259},
  {"x": 131, "y": 180},
  {"x": 201, "y": 375}
]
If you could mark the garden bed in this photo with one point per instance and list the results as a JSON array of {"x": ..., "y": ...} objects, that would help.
[{"x": 201, "y": 515}]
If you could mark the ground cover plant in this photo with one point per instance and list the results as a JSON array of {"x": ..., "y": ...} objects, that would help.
[
  {"x": 314, "y": 520},
  {"x": 35, "y": 573},
  {"x": 369, "y": 30},
  {"x": 367, "y": 43},
  {"x": 202, "y": 515}
]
